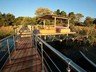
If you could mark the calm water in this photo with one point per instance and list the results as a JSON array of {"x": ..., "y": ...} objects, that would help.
[{"x": 3, "y": 50}]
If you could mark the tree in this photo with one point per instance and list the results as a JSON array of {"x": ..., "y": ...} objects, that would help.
[
  {"x": 1, "y": 21},
  {"x": 88, "y": 21},
  {"x": 6, "y": 19},
  {"x": 71, "y": 14},
  {"x": 57, "y": 12},
  {"x": 43, "y": 11},
  {"x": 18, "y": 20},
  {"x": 78, "y": 17},
  {"x": 34, "y": 20},
  {"x": 25, "y": 21},
  {"x": 60, "y": 13},
  {"x": 63, "y": 13},
  {"x": 10, "y": 18},
  {"x": 94, "y": 22},
  {"x": 72, "y": 17}
]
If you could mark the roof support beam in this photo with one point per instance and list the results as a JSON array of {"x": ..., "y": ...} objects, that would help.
[
  {"x": 55, "y": 22},
  {"x": 68, "y": 23},
  {"x": 44, "y": 23}
]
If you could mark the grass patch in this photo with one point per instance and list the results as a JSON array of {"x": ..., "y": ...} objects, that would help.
[{"x": 6, "y": 31}]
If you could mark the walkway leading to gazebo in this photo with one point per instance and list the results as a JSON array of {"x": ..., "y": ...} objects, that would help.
[{"x": 25, "y": 58}]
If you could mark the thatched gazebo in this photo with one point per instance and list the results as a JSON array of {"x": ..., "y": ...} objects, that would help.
[
  {"x": 54, "y": 30},
  {"x": 53, "y": 17}
]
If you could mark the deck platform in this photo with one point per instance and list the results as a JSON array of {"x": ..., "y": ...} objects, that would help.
[{"x": 25, "y": 58}]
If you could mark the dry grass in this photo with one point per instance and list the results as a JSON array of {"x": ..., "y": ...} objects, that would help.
[
  {"x": 5, "y": 31},
  {"x": 88, "y": 30}
]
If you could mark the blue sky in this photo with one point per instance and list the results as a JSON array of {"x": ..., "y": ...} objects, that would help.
[{"x": 28, "y": 7}]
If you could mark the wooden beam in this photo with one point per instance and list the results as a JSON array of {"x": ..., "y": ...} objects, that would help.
[
  {"x": 56, "y": 34},
  {"x": 44, "y": 23},
  {"x": 68, "y": 23},
  {"x": 55, "y": 22}
]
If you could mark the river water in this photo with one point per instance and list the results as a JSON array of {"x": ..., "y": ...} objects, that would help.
[
  {"x": 4, "y": 50},
  {"x": 71, "y": 50}
]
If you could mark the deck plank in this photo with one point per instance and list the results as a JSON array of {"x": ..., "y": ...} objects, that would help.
[{"x": 24, "y": 59}]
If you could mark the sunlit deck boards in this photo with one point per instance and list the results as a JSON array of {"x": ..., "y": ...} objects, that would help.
[
  {"x": 45, "y": 34},
  {"x": 25, "y": 58}
]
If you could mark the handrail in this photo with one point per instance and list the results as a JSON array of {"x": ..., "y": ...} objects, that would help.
[
  {"x": 6, "y": 38},
  {"x": 3, "y": 56},
  {"x": 8, "y": 46},
  {"x": 63, "y": 57},
  {"x": 88, "y": 59},
  {"x": 45, "y": 59},
  {"x": 52, "y": 62},
  {"x": 47, "y": 64}
]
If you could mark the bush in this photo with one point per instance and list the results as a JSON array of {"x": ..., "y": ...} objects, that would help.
[{"x": 82, "y": 32}]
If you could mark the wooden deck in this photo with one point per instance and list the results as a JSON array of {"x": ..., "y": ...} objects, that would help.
[{"x": 24, "y": 59}]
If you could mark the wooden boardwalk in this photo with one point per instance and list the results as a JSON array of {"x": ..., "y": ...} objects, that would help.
[{"x": 24, "y": 59}]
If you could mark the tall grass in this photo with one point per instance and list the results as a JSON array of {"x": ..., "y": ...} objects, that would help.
[
  {"x": 6, "y": 31},
  {"x": 89, "y": 31}
]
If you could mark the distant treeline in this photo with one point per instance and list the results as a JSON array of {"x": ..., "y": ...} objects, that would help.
[{"x": 75, "y": 19}]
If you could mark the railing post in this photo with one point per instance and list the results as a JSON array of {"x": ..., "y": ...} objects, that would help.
[
  {"x": 42, "y": 56},
  {"x": 33, "y": 40},
  {"x": 36, "y": 43},
  {"x": 68, "y": 68},
  {"x": 8, "y": 51},
  {"x": 14, "y": 42}
]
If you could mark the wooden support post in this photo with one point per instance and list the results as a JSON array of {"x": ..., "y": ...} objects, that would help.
[
  {"x": 44, "y": 23},
  {"x": 55, "y": 22},
  {"x": 45, "y": 37},
  {"x": 68, "y": 23}
]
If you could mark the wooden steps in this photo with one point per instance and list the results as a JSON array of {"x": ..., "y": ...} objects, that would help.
[{"x": 25, "y": 58}]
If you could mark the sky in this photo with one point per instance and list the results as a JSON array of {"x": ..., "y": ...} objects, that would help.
[{"x": 28, "y": 7}]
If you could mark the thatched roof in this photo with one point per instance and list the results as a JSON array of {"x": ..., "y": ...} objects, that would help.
[{"x": 52, "y": 17}]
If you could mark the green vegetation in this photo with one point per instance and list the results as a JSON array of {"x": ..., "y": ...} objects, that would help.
[
  {"x": 43, "y": 11},
  {"x": 81, "y": 28}
]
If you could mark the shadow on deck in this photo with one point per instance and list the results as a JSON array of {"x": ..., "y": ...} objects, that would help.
[{"x": 24, "y": 59}]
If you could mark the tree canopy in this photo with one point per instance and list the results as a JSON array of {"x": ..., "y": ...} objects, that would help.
[
  {"x": 60, "y": 13},
  {"x": 43, "y": 11},
  {"x": 6, "y": 19},
  {"x": 94, "y": 22},
  {"x": 9, "y": 19},
  {"x": 78, "y": 17},
  {"x": 88, "y": 21}
]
